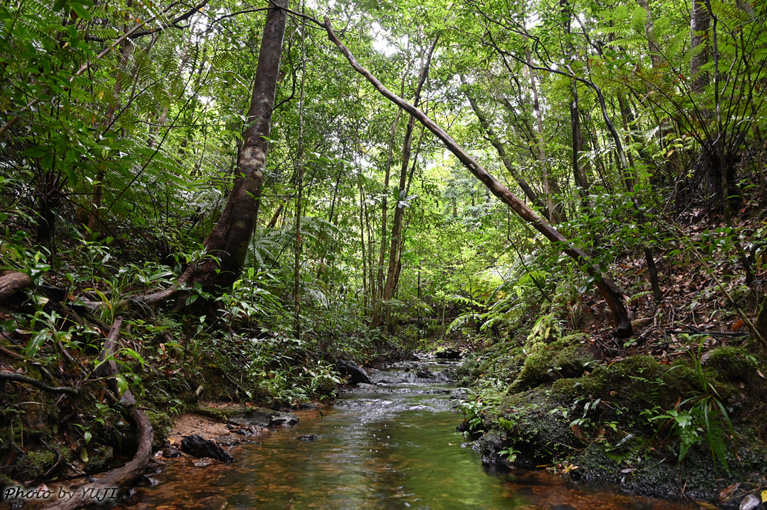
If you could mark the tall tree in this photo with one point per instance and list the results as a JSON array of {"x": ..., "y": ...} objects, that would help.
[
  {"x": 229, "y": 239},
  {"x": 395, "y": 252}
]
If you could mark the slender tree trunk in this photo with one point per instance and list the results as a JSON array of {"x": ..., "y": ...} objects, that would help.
[
  {"x": 581, "y": 179},
  {"x": 549, "y": 187},
  {"x": 606, "y": 286},
  {"x": 649, "y": 30},
  {"x": 230, "y": 237},
  {"x": 379, "y": 280},
  {"x": 395, "y": 251},
  {"x": 98, "y": 186},
  {"x": 529, "y": 192},
  {"x": 630, "y": 179},
  {"x": 331, "y": 213},
  {"x": 299, "y": 212},
  {"x": 700, "y": 21},
  {"x": 362, "y": 244}
]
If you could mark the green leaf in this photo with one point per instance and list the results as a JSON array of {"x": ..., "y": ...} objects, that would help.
[
  {"x": 122, "y": 384},
  {"x": 135, "y": 355},
  {"x": 81, "y": 11}
]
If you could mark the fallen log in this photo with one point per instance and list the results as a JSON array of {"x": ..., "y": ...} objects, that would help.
[{"x": 12, "y": 282}]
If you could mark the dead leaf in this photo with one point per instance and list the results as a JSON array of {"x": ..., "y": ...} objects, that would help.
[
  {"x": 577, "y": 432},
  {"x": 728, "y": 492}
]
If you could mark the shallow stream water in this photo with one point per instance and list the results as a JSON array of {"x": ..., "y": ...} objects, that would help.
[{"x": 389, "y": 446}]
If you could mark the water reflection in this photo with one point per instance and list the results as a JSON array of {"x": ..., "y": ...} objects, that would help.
[{"x": 391, "y": 448}]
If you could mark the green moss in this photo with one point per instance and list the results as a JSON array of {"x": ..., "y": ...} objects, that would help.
[
  {"x": 217, "y": 413},
  {"x": 101, "y": 457},
  {"x": 564, "y": 358},
  {"x": 40, "y": 459},
  {"x": 161, "y": 424},
  {"x": 731, "y": 364}
]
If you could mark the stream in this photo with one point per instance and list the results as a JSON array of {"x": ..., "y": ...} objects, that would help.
[{"x": 389, "y": 446}]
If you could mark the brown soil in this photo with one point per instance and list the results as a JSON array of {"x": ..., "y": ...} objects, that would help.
[{"x": 189, "y": 424}]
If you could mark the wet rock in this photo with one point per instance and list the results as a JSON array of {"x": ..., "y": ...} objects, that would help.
[
  {"x": 355, "y": 372},
  {"x": 170, "y": 453},
  {"x": 279, "y": 419},
  {"x": 197, "y": 446},
  {"x": 749, "y": 502},
  {"x": 100, "y": 459},
  {"x": 307, "y": 437},
  {"x": 448, "y": 353},
  {"x": 259, "y": 417},
  {"x": 424, "y": 374},
  {"x": 488, "y": 447}
]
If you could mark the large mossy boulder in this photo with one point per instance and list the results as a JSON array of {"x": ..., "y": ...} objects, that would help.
[
  {"x": 564, "y": 358},
  {"x": 614, "y": 424}
]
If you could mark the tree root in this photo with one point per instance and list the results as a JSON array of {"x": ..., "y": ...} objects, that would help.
[
  {"x": 107, "y": 485},
  {"x": 11, "y": 376}
]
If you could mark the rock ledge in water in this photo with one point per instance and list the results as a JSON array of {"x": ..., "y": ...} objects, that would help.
[
  {"x": 262, "y": 417},
  {"x": 196, "y": 446},
  {"x": 354, "y": 371},
  {"x": 448, "y": 353}
]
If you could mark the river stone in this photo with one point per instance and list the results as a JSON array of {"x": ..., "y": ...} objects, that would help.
[
  {"x": 262, "y": 417},
  {"x": 354, "y": 371},
  {"x": 749, "y": 502},
  {"x": 448, "y": 353},
  {"x": 196, "y": 446}
]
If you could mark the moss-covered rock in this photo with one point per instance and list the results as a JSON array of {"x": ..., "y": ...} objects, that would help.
[
  {"x": 162, "y": 424},
  {"x": 731, "y": 364},
  {"x": 614, "y": 424},
  {"x": 564, "y": 358}
]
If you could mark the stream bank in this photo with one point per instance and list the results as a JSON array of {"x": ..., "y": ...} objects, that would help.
[{"x": 690, "y": 428}]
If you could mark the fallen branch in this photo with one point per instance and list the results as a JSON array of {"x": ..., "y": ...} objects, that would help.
[
  {"x": 694, "y": 331},
  {"x": 107, "y": 485},
  {"x": 11, "y": 376}
]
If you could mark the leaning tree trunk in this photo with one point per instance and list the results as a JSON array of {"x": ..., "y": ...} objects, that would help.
[
  {"x": 228, "y": 242},
  {"x": 606, "y": 286}
]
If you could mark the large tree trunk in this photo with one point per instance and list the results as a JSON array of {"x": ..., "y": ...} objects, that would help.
[
  {"x": 605, "y": 284},
  {"x": 229, "y": 240}
]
